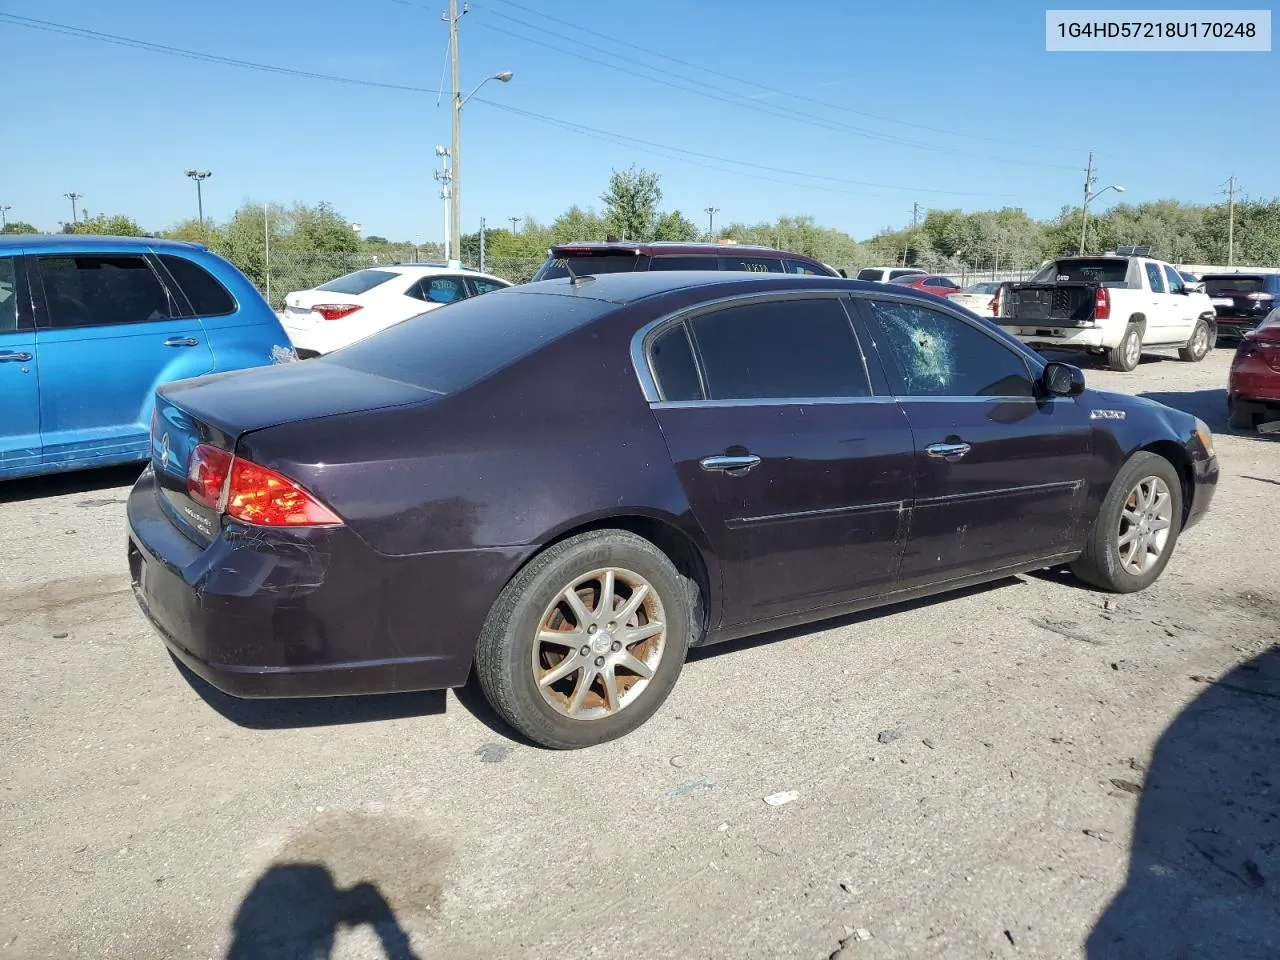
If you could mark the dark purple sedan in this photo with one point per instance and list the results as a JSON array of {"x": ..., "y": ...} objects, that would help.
[{"x": 569, "y": 483}]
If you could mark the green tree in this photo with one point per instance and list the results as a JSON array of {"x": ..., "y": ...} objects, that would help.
[
  {"x": 631, "y": 203},
  {"x": 194, "y": 231},
  {"x": 675, "y": 226},
  {"x": 18, "y": 226},
  {"x": 576, "y": 224},
  {"x": 117, "y": 225},
  {"x": 321, "y": 228}
]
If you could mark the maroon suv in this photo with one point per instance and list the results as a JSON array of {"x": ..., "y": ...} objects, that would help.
[{"x": 614, "y": 256}]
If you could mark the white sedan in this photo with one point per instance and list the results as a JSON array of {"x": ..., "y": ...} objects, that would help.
[
  {"x": 362, "y": 303},
  {"x": 976, "y": 297}
]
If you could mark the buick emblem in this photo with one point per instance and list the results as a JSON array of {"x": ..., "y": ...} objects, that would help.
[{"x": 164, "y": 450}]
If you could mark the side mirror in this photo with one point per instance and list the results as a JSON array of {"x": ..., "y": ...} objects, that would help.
[{"x": 1062, "y": 379}]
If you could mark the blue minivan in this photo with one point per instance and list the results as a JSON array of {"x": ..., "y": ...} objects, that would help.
[{"x": 90, "y": 326}]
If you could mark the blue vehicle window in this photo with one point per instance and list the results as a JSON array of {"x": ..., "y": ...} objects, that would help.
[
  {"x": 207, "y": 296},
  {"x": 8, "y": 296},
  {"x": 93, "y": 291},
  {"x": 362, "y": 281}
]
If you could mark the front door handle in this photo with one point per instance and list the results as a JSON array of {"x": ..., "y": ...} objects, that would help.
[
  {"x": 726, "y": 464},
  {"x": 182, "y": 342},
  {"x": 951, "y": 452},
  {"x": 15, "y": 356}
]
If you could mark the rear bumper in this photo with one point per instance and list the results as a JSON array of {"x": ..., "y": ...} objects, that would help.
[
  {"x": 1060, "y": 337},
  {"x": 1252, "y": 379},
  {"x": 311, "y": 613}
]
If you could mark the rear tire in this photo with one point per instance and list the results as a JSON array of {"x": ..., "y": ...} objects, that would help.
[
  {"x": 585, "y": 588},
  {"x": 1243, "y": 416},
  {"x": 1199, "y": 344},
  {"x": 1136, "y": 529},
  {"x": 1125, "y": 356}
]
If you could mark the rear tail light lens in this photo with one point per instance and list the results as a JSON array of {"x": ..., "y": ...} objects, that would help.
[
  {"x": 263, "y": 497},
  {"x": 249, "y": 493},
  {"x": 335, "y": 311},
  {"x": 207, "y": 475},
  {"x": 1102, "y": 304},
  {"x": 1264, "y": 297}
]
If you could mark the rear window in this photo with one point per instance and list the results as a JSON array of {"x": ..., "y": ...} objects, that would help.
[
  {"x": 446, "y": 350},
  {"x": 1235, "y": 284},
  {"x": 361, "y": 281},
  {"x": 1085, "y": 270},
  {"x": 870, "y": 274},
  {"x": 587, "y": 264}
]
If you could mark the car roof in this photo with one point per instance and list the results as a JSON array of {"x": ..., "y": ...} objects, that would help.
[
  {"x": 624, "y": 288},
  {"x": 675, "y": 248},
  {"x": 85, "y": 241}
]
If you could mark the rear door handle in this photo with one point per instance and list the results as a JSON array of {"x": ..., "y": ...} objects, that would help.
[
  {"x": 726, "y": 464},
  {"x": 15, "y": 356},
  {"x": 950, "y": 452},
  {"x": 182, "y": 342}
]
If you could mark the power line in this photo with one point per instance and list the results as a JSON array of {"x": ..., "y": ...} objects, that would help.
[
  {"x": 752, "y": 83},
  {"x": 651, "y": 146},
  {"x": 705, "y": 90},
  {"x": 51, "y": 27}
]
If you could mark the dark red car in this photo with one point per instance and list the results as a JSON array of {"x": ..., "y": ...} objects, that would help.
[
  {"x": 590, "y": 258},
  {"x": 567, "y": 484},
  {"x": 934, "y": 283},
  {"x": 1253, "y": 389}
]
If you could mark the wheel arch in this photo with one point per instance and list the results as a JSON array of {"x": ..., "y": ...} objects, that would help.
[{"x": 1177, "y": 455}]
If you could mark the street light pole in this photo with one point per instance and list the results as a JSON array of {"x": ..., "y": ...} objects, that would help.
[
  {"x": 514, "y": 221},
  {"x": 4, "y": 221},
  {"x": 199, "y": 176},
  {"x": 711, "y": 219},
  {"x": 73, "y": 197},
  {"x": 1089, "y": 180}
]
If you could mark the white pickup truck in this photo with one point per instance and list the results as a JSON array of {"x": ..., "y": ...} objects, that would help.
[{"x": 1112, "y": 305}]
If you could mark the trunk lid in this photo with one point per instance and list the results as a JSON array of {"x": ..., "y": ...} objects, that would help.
[
  {"x": 222, "y": 408},
  {"x": 1067, "y": 303}
]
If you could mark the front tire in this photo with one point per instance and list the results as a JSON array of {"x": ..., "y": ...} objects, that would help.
[
  {"x": 587, "y": 641},
  {"x": 1199, "y": 345},
  {"x": 1125, "y": 356},
  {"x": 1136, "y": 529}
]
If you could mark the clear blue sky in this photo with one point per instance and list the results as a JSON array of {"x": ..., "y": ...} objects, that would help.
[{"x": 120, "y": 124}]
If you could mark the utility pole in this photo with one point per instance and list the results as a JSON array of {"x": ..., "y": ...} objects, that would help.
[
  {"x": 4, "y": 222},
  {"x": 1231, "y": 220},
  {"x": 1084, "y": 207},
  {"x": 455, "y": 225},
  {"x": 514, "y": 221},
  {"x": 915, "y": 220},
  {"x": 482, "y": 244},
  {"x": 446, "y": 193},
  {"x": 711, "y": 221},
  {"x": 73, "y": 197}
]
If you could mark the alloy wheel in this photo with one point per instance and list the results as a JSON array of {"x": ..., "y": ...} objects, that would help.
[{"x": 1145, "y": 522}]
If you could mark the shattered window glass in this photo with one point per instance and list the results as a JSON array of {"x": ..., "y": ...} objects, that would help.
[{"x": 936, "y": 355}]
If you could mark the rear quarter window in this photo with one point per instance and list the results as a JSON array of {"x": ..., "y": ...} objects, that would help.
[
  {"x": 447, "y": 350},
  {"x": 206, "y": 294}
]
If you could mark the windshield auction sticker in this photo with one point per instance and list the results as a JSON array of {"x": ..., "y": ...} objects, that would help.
[{"x": 1137, "y": 31}]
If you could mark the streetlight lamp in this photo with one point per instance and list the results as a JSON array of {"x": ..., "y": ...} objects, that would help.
[
  {"x": 711, "y": 219},
  {"x": 73, "y": 197},
  {"x": 459, "y": 101},
  {"x": 1084, "y": 212},
  {"x": 199, "y": 176}
]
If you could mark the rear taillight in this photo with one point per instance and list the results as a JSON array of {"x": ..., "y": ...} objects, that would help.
[
  {"x": 1102, "y": 304},
  {"x": 335, "y": 311},
  {"x": 265, "y": 498},
  {"x": 249, "y": 493},
  {"x": 207, "y": 475},
  {"x": 1264, "y": 297}
]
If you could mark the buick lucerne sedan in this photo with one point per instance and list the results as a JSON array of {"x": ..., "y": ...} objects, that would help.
[{"x": 567, "y": 484}]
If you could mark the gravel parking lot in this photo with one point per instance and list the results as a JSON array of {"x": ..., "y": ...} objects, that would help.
[{"x": 1028, "y": 769}]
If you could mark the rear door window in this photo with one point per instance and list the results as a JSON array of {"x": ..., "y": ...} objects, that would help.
[
  {"x": 95, "y": 291},
  {"x": 685, "y": 263},
  {"x": 362, "y": 281},
  {"x": 439, "y": 289},
  {"x": 206, "y": 294},
  {"x": 780, "y": 350},
  {"x": 484, "y": 285},
  {"x": 1154, "y": 279},
  {"x": 752, "y": 264},
  {"x": 806, "y": 269},
  {"x": 932, "y": 354},
  {"x": 8, "y": 295}
]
